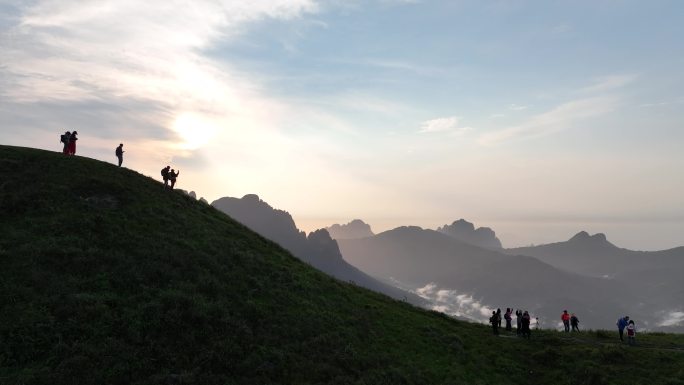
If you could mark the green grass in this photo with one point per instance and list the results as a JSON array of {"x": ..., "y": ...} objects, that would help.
[{"x": 107, "y": 278}]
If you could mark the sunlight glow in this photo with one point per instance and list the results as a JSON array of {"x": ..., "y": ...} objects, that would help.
[{"x": 195, "y": 130}]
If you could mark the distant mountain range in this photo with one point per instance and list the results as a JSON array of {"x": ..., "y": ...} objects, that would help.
[
  {"x": 468, "y": 279},
  {"x": 318, "y": 248},
  {"x": 657, "y": 276}
]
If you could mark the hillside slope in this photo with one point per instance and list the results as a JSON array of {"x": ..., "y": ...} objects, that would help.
[{"x": 108, "y": 279}]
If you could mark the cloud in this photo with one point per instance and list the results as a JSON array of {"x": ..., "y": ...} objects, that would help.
[
  {"x": 608, "y": 83},
  {"x": 136, "y": 72},
  {"x": 448, "y": 124},
  {"x": 559, "y": 118},
  {"x": 454, "y": 303},
  {"x": 516, "y": 107},
  {"x": 672, "y": 318}
]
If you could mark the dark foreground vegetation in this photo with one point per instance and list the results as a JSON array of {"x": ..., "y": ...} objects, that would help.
[{"x": 107, "y": 278}]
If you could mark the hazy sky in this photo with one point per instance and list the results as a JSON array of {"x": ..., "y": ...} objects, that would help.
[{"x": 536, "y": 118}]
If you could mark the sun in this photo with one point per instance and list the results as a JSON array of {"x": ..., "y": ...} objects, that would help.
[{"x": 195, "y": 130}]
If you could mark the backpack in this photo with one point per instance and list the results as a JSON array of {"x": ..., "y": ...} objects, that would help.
[
  {"x": 63, "y": 139},
  {"x": 165, "y": 172}
]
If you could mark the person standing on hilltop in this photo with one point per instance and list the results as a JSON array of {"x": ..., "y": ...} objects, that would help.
[
  {"x": 498, "y": 316},
  {"x": 574, "y": 322},
  {"x": 119, "y": 153},
  {"x": 165, "y": 175},
  {"x": 508, "y": 317},
  {"x": 72, "y": 143},
  {"x": 631, "y": 333},
  {"x": 526, "y": 319},
  {"x": 64, "y": 138},
  {"x": 565, "y": 317},
  {"x": 172, "y": 177},
  {"x": 518, "y": 321},
  {"x": 622, "y": 324},
  {"x": 494, "y": 320}
]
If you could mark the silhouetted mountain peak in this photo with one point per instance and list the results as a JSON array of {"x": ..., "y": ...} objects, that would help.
[
  {"x": 466, "y": 232},
  {"x": 251, "y": 198},
  {"x": 583, "y": 238},
  {"x": 582, "y": 235},
  {"x": 352, "y": 230}
]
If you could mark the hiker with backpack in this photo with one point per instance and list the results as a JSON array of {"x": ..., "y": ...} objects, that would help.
[
  {"x": 498, "y": 316},
  {"x": 574, "y": 322},
  {"x": 165, "y": 175},
  {"x": 72, "y": 143},
  {"x": 508, "y": 317},
  {"x": 119, "y": 153},
  {"x": 172, "y": 177},
  {"x": 526, "y": 319},
  {"x": 518, "y": 320},
  {"x": 565, "y": 317},
  {"x": 494, "y": 320},
  {"x": 64, "y": 139}
]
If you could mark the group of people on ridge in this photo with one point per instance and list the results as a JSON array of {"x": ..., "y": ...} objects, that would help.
[
  {"x": 523, "y": 320},
  {"x": 570, "y": 320},
  {"x": 169, "y": 175},
  {"x": 69, "y": 140}
]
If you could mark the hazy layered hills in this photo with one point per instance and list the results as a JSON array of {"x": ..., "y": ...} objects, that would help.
[
  {"x": 658, "y": 276},
  {"x": 416, "y": 257},
  {"x": 318, "y": 248},
  {"x": 594, "y": 255}
]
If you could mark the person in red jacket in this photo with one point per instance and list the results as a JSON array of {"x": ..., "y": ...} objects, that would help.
[
  {"x": 565, "y": 317},
  {"x": 71, "y": 150}
]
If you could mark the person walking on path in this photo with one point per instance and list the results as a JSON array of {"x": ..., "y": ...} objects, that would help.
[
  {"x": 172, "y": 177},
  {"x": 508, "y": 317},
  {"x": 565, "y": 317},
  {"x": 622, "y": 324},
  {"x": 165, "y": 175},
  {"x": 64, "y": 138},
  {"x": 119, "y": 153},
  {"x": 518, "y": 321},
  {"x": 631, "y": 333},
  {"x": 72, "y": 143},
  {"x": 574, "y": 322},
  {"x": 526, "y": 332},
  {"x": 494, "y": 320}
]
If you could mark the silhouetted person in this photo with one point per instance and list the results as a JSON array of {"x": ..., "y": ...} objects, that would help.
[
  {"x": 165, "y": 175},
  {"x": 526, "y": 332},
  {"x": 64, "y": 138},
  {"x": 518, "y": 321},
  {"x": 119, "y": 153},
  {"x": 631, "y": 333},
  {"x": 574, "y": 322},
  {"x": 172, "y": 177},
  {"x": 72, "y": 143},
  {"x": 622, "y": 324},
  {"x": 494, "y": 320},
  {"x": 508, "y": 317},
  {"x": 498, "y": 316},
  {"x": 565, "y": 317}
]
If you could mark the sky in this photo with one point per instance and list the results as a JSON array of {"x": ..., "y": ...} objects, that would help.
[{"x": 538, "y": 119}]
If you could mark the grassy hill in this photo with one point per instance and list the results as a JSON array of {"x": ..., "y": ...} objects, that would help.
[{"x": 107, "y": 278}]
